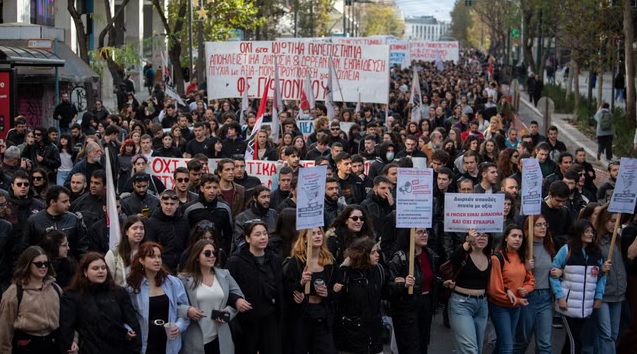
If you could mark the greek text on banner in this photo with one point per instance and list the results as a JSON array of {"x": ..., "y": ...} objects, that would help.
[{"x": 483, "y": 212}]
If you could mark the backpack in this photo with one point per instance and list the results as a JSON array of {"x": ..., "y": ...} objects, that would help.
[
  {"x": 606, "y": 121},
  {"x": 20, "y": 292}
]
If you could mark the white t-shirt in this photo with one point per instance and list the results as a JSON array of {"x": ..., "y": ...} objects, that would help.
[{"x": 209, "y": 298}]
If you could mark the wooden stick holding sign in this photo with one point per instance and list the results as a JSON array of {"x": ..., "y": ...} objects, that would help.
[
  {"x": 530, "y": 238},
  {"x": 308, "y": 256},
  {"x": 613, "y": 239},
  {"x": 412, "y": 255}
]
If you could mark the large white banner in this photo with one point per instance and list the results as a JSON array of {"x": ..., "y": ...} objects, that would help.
[
  {"x": 426, "y": 51},
  {"x": 310, "y": 200},
  {"x": 414, "y": 198},
  {"x": 531, "y": 191},
  {"x": 358, "y": 69},
  {"x": 625, "y": 193},
  {"x": 483, "y": 212}
]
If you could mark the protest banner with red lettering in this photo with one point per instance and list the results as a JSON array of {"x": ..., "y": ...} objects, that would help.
[
  {"x": 483, "y": 212},
  {"x": 310, "y": 163},
  {"x": 399, "y": 54},
  {"x": 426, "y": 51},
  {"x": 358, "y": 68},
  {"x": 163, "y": 168}
]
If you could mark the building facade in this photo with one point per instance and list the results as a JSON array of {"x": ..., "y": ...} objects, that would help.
[{"x": 425, "y": 28}]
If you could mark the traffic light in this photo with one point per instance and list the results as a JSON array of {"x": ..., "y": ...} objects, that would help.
[{"x": 515, "y": 33}]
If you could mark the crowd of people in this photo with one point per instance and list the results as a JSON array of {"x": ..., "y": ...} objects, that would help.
[{"x": 215, "y": 263}]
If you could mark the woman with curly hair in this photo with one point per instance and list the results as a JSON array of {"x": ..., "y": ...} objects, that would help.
[
  {"x": 508, "y": 163},
  {"x": 311, "y": 315},
  {"x": 489, "y": 151},
  {"x": 156, "y": 297},
  {"x": 350, "y": 224}
]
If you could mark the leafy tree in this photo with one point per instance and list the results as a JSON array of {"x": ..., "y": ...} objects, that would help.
[
  {"x": 315, "y": 18},
  {"x": 378, "y": 19},
  {"x": 461, "y": 21}
]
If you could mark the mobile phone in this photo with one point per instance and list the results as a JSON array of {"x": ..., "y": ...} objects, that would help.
[{"x": 220, "y": 315}]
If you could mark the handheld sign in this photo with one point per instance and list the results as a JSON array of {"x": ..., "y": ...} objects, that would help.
[
  {"x": 531, "y": 195},
  {"x": 483, "y": 212},
  {"x": 624, "y": 195},
  {"x": 414, "y": 205},
  {"x": 310, "y": 203}
]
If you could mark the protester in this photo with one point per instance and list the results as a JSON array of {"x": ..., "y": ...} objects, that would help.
[
  {"x": 351, "y": 224},
  {"x": 120, "y": 258}
]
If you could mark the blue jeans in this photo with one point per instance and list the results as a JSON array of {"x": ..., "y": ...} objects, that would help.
[
  {"x": 468, "y": 319},
  {"x": 504, "y": 320},
  {"x": 607, "y": 320},
  {"x": 535, "y": 318},
  {"x": 61, "y": 177}
]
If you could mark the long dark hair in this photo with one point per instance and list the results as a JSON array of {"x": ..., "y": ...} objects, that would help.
[
  {"x": 192, "y": 267},
  {"x": 359, "y": 252},
  {"x": 50, "y": 243},
  {"x": 124, "y": 248},
  {"x": 80, "y": 282},
  {"x": 340, "y": 225},
  {"x": 137, "y": 273},
  {"x": 574, "y": 241},
  {"x": 69, "y": 143},
  {"x": 548, "y": 243},
  {"x": 502, "y": 248},
  {"x": 22, "y": 271}
]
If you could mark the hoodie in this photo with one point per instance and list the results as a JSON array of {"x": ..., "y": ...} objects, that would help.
[{"x": 377, "y": 166}]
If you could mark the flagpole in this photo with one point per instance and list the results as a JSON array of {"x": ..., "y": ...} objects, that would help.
[{"x": 339, "y": 86}]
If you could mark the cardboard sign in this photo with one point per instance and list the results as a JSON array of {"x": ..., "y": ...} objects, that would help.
[
  {"x": 358, "y": 68},
  {"x": 625, "y": 192},
  {"x": 310, "y": 200},
  {"x": 531, "y": 192},
  {"x": 483, "y": 212},
  {"x": 414, "y": 198}
]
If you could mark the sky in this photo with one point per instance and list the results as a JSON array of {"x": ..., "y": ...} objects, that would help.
[{"x": 440, "y": 9}]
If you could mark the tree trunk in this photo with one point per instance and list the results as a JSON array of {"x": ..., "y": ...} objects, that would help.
[
  {"x": 569, "y": 80},
  {"x": 630, "y": 66},
  {"x": 178, "y": 74},
  {"x": 575, "y": 73},
  {"x": 82, "y": 37},
  {"x": 174, "y": 46},
  {"x": 109, "y": 30},
  {"x": 600, "y": 86}
]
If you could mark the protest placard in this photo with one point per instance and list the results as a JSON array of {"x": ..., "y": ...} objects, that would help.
[
  {"x": 625, "y": 193},
  {"x": 306, "y": 127},
  {"x": 483, "y": 212},
  {"x": 310, "y": 199},
  {"x": 163, "y": 168},
  {"x": 427, "y": 51},
  {"x": 531, "y": 192},
  {"x": 233, "y": 67},
  {"x": 399, "y": 53},
  {"x": 414, "y": 198}
]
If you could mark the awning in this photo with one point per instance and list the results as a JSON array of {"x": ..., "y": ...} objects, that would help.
[
  {"x": 72, "y": 68},
  {"x": 21, "y": 56}
]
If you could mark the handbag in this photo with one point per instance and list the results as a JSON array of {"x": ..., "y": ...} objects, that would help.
[{"x": 447, "y": 272}]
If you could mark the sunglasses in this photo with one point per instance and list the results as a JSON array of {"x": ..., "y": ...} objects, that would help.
[
  {"x": 182, "y": 180},
  {"x": 357, "y": 218},
  {"x": 209, "y": 253},
  {"x": 22, "y": 184},
  {"x": 37, "y": 134},
  {"x": 41, "y": 264},
  {"x": 169, "y": 197},
  {"x": 37, "y": 178},
  {"x": 335, "y": 129},
  {"x": 206, "y": 225}
]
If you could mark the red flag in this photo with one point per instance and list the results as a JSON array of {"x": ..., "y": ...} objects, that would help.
[{"x": 252, "y": 152}]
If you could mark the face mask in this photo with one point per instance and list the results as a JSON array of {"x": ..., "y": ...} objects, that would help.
[
  {"x": 305, "y": 116},
  {"x": 389, "y": 155}
]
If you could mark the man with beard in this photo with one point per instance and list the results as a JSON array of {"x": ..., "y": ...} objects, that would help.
[
  {"x": 258, "y": 209},
  {"x": 411, "y": 148},
  {"x": 489, "y": 181},
  {"x": 380, "y": 202},
  {"x": 283, "y": 191},
  {"x": 576, "y": 201},
  {"x": 547, "y": 166},
  {"x": 168, "y": 227},
  {"x": 534, "y": 131},
  {"x": 57, "y": 217},
  {"x": 140, "y": 202},
  {"x": 43, "y": 153},
  {"x": 333, "y": 204},
  {"x": 99, "y": 231},
  {"x": 77, "y": 135},
  {"x": 434, "y": 144},
  {"x": 181, "y": 179},
  {"x": 232, "y": 193},
  {"x": 605, "y": 191},
  {"x": 242, "y": 178},
  {"x": 89, "y": 206},
  {"x": 352, "y": 187},
  {"x": 564, "y": 162},
  {"x": 90, "y": 164},
  {"x": 510, "y": 185}
]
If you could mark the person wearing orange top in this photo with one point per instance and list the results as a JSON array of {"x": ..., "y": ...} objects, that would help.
[{"x": 510, "y": 282}]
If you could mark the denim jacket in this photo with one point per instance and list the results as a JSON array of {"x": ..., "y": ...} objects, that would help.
[{"x": 176, "y": 293}]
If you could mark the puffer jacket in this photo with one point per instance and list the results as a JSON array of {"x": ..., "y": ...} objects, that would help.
[{"x": 169, "y": 231}]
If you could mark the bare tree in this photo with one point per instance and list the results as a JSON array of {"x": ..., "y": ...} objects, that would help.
[{"x": 628, "y": 60}]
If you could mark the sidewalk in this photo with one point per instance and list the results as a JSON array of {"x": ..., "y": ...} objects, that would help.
[{"x": 568, "y": 134}]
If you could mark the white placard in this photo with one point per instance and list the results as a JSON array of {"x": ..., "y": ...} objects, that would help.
[
  {"x": 625, "y": 193},
  {"x": 419, "y": 162},
  {"x": 483, "y": 212},
  {"x": 163, "y": 168},
  {"x": 531, "y": 192},
  {"x": 399, "y": 53},
  {"x": 306, "y": 127},
  {"x": 414, "y": 198},
  {"x": 310, "y": 200},
  {"x": 358, "y": 69},
  {"x": 426, "y": 51}
]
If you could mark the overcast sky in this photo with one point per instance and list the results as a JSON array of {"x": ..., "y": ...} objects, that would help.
[{"x": 440, "y": 9}]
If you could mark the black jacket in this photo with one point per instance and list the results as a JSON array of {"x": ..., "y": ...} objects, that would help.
[
  {"x": 170, "y": 152},
  {"x": 99, "y": 316},
  {"x": 17, "y": 213},
  {"x": 358, "y": 325},
  {"x": 216, "y": 211},
  {"x": 133, "y": 204},
  {"x": 88, "y": 207},
  {"x": 377, "y": 208},
  {"x": 233, "y": 147},
  {"x": 50, "y": 154},
  {"x": 169, "y": 231},
  {"x": 398, "y": 267},
  {"x": 98, "y": 235},
  {"x": 247, "y": 182},
  {"x": 69, "y": 224},
  {"x": 6, "y": 254},
  {"x": 352, "y": 188},
  {"x": 262, "y": 285}
]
